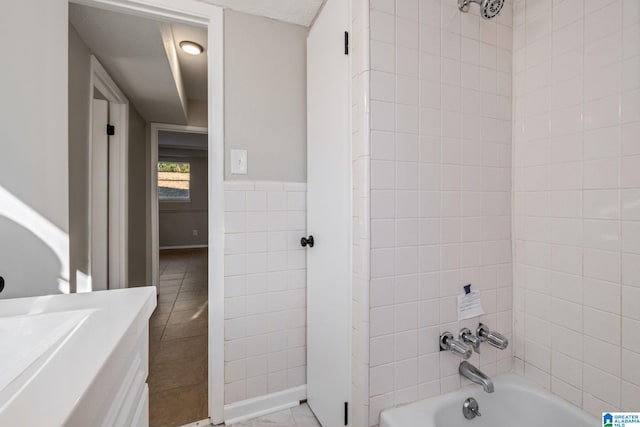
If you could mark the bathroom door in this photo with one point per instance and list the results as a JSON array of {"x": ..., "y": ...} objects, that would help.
[{"x": 329, "y": 216}]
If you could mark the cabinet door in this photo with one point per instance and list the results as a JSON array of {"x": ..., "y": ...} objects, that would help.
[{"x": 141, "y": 416}]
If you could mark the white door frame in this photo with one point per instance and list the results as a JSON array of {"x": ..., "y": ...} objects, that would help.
[
  {"x": 118, "y": 178},
  {"x": 155, "y": 204},
  {"x": 201, "y": 14}
]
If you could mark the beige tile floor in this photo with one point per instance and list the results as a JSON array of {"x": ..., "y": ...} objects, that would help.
[
  {"x": 178, "y": 341},
  {"x": 299, "y": 416}
]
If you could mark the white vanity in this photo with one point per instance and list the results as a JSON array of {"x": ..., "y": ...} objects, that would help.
[{"x": 76, "y": 360}]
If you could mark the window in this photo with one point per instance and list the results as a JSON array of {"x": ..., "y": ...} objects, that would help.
[{"x": 174, "y": 181}]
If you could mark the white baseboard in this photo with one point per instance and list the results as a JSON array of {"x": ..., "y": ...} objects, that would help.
[
  {"x": 184, "y": 247},
  {"x": 258, "y": 406},
  {"x": 202, "y": 423}
]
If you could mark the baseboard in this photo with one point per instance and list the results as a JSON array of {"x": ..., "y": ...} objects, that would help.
[
  {"x": 202, "y": 423},
  {"x": 258, "y": 406},
  {"x": 183, "y": 247}
]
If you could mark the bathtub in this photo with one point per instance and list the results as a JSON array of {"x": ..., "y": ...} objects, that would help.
[{"x": 515, "y": 402}]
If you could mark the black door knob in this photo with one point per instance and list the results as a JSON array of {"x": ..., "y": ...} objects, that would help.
[
  {"x": 307, "y": 241},
  {"x": 1, "y": 283}
]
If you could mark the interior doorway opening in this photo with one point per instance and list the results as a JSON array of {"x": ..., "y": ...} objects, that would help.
[
  {"x": 96, "y": 27},
  {"x": 179, "y": 190},
  {"x": 179, "y": 217}
]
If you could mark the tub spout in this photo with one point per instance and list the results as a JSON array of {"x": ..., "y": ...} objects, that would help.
[{"x": 469, "y": 371}]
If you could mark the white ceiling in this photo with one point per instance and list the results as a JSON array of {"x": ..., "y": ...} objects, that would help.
[
  {"x": 133, "y": 52},
  {"x": 194, "y": 68},
  {"x": 301, "y": 12}
]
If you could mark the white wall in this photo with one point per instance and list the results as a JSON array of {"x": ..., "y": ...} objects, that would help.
[
  {"x": 265, "y": 215},
  {"x": 34, "y": 201},
  {"x": 265, "y": 288},
  {"x": 440, "y": 191},
  {"x": 139, "y": 200},
  {"x": 265, "y": 96},
  {"x": 79, "y": 95},
  {"x": 577, "y": 192},
  {"x": 79, "y": 221}
]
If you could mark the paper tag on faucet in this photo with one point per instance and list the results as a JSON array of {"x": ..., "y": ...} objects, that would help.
[{"x": 469, "y": 305}]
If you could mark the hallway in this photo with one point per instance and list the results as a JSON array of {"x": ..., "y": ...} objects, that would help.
[{"x": 178, "y": 340}]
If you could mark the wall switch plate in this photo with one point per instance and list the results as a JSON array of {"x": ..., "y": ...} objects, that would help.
[
  {"x": 195, "y": 232},
  {"x": 239, "y": 162}
]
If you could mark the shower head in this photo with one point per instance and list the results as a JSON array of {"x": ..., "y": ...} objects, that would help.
[{"x": 488, "y": 8}]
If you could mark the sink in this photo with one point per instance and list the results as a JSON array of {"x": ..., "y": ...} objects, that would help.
[
  {"x": 76, "y": 359},
  {"x": 28, "y": 339}
]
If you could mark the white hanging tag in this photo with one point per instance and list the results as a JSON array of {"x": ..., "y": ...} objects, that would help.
[{"x": 469, "y": 305}]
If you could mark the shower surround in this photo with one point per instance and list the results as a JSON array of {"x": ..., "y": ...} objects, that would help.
[
  {"x": 440, "y": 197},
  {"x": 435, "y": 154},
  {"x": 576, "y": 199}
]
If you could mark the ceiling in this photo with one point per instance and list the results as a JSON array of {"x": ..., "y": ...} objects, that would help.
[
  {"x": 143, "y": 56},
  {"x": 194, "y": 68},
  {"x": 139, "y": 54},
  {"x": 170, "y": 139},
  {"x": 176, "y": 145},
  {"x": 301, "y": 12}
]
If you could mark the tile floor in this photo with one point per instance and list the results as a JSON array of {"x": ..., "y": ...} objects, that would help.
[
  {"x": 299, "y": 416},
  {"x": 178, "y": 341}
]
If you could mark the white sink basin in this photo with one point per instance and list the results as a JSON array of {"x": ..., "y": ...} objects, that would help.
[
  {"x": 28, "y": 340},
  {"x": 75, "y": 360}
]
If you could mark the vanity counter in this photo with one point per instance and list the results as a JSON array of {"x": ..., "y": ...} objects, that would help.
[{"x": 76, "y": 360}]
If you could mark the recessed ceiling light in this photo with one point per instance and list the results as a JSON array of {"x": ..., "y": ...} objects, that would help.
[{"x": 191, "y": 48}]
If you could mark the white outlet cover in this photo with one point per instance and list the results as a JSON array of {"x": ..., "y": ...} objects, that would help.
[{"x": 239, "y": 162}]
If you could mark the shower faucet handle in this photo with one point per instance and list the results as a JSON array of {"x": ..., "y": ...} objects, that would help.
[
  {"x": 494, "y": 338},
  {"x": 457, "y": 347},
  {"x": 467, "y": 337}
]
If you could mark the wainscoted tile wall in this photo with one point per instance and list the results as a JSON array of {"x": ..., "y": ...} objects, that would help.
[
  {"x": 440, "y": 200},
  {"x": 360, "y": 67},
  {"x": 265, "y": 288},
  {"x": 577, "y": 193}
]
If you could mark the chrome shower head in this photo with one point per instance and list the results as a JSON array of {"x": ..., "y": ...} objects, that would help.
[
  {"x": 488, "y": 8},
  {"x": 491, "y": 8}
]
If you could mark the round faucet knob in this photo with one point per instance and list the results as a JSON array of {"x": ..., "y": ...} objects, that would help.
[
  {"x": 457, "y": 347},
  {"x": 461, "y": 349},
  {"x": 494, "y": 338},
  {"x": 470, "y": 408},
  {"x": 468, "y": 337}
]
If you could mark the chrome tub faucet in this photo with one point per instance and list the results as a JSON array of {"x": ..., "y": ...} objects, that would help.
[{"x": 474, "y": 374}]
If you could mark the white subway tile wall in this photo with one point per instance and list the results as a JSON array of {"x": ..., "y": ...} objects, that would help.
[
  {"x": 361, "y": 157},
  {"x": 265, "y": 288},
  {"x": 440, "y": 190},
  {"x": 576, "y": 199}
]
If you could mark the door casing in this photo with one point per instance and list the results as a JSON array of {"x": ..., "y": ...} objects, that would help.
[
  {"x": 118, "y": 178},
  {"x": 201, "y": 14}
]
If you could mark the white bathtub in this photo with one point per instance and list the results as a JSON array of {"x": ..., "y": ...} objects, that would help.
[{"x": 515, "y": 402}]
